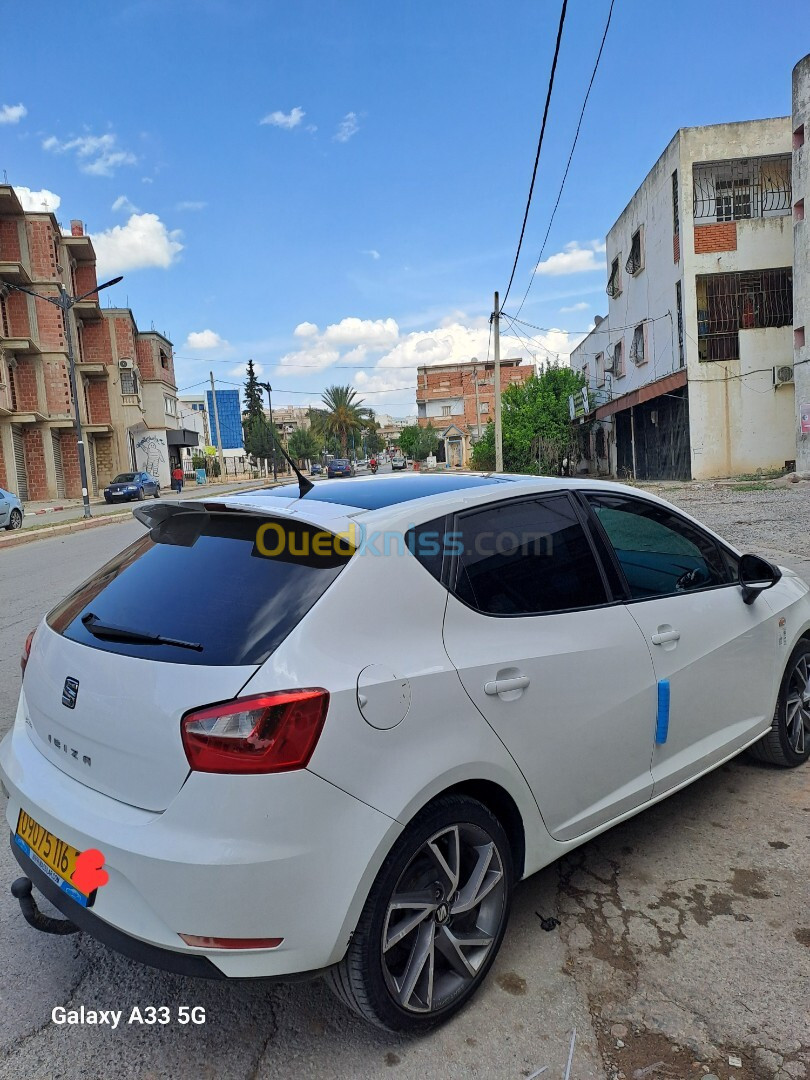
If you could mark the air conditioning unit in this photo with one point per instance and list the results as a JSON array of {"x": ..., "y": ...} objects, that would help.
[
  {"x": 783, "y": 375},
  {"x": 125, "y": 364}
]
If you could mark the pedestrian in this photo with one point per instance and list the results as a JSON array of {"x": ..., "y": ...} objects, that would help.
[{"x": 177, "y": 479}]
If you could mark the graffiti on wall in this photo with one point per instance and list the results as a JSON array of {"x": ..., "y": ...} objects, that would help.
[{"x": 151, "y": 453}]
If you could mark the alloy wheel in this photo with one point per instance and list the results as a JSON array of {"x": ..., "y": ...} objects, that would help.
[
  {"x": 443, "y": 918},
  {"x": 16, "y": 519},
  {"x": 797, "y": 702}
]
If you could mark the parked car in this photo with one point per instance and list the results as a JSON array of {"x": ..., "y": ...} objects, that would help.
[
  {"x": 568, "y": 652},
  {"x": 315, "y": 469},
  {"x": 11, "y": 511},
  {"x": 339, "y": 467},
  {"x": 132, "y": 485},
  {"x": 399, "y": 463}
]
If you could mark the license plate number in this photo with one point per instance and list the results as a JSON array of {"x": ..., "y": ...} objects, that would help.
[{"x": 52, "y": 855}]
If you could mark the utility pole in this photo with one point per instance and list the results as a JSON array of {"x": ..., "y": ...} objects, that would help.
[
  {"x": 498, "y": 429},
  {"x": 64, "y": 301},
  {"x": 477, "y": 403},
  {"x": 269, "y": 388},
  {"x": 216, "y": 428}
]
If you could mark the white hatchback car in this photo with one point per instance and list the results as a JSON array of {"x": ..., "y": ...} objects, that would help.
[{"x": 222, "y": 765}]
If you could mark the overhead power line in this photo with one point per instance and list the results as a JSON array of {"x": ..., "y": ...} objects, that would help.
[
  {"x": 539, "y": 147},
  {"x": 571, "y": 154}
]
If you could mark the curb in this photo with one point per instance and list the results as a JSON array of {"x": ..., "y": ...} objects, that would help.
[{"x": 23, "y": 536}]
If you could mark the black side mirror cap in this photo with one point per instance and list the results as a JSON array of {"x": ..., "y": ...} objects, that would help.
[{"x": 756, "y": 574}]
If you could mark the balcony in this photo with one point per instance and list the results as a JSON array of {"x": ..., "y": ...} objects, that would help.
[
  {"x": 13, "y": 270},
  {"x": 80, "y": 248},
  {"x": 741, "y": 188},
  {"x": 87, "y": 310},
  {"x": 20, "y": 346}
]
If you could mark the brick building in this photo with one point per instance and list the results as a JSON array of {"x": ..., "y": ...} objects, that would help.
[
  {"x": 125, "y": 378},
  {"x": 459, "y": 401}
]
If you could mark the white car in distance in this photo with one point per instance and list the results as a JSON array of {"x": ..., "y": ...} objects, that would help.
[{"x": 277, "y": 787}]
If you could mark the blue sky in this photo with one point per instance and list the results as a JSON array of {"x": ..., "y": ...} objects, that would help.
[{"x": 362, "y": 228}]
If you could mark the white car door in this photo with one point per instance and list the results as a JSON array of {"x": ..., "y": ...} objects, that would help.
[
  {"x": 559, "y": 670},
  {"x": 714, "y": 655}
]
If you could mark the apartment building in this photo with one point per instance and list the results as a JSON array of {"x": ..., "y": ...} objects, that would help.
[
  {"x": 801, "y": 259},
  {"x": 125, "y": 377},
  {"x": 459, "y": 401},
  {"x": 691, "y": 372}
]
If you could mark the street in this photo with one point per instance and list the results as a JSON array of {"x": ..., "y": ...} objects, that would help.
[{"x": 652, "y": 963}]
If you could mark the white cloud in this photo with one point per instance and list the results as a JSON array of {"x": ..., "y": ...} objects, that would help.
[
  {"x": 147, "y": 180},
  {"x": 306, "y": 330},
  {"x": 41, "y": 202},
  {"x": 316, "y": 356},
  {"x": 573, "y": 259},
  {"x": 123, "y": 203},
  {"x": 191, "y": 204},
  {"x": 372, "y": 252},
  {"x": 581, "y": 306},
  {"x": 143, "y": 242},
  {"x": 368, "y": 332},
  {"x": 205, "y": 339},
  {"x": 347, "y": 127},
  {"x": 98, "y": 155},
  {"x": 284, "y": 120},
  {"x": 12, "y": 114}
]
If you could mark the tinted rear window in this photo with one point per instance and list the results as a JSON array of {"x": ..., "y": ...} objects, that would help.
[{"x": 202, "y": 578}]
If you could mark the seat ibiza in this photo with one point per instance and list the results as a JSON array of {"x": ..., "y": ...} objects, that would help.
[{"x": 220, "y": 765}]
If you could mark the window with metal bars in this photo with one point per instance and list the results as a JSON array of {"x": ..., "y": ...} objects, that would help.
[
  {"x": 129, "y": 382},
  {"x": 614, "y": 285},
  {"x": 635, "y": 260},
  {"x": 679, "y": 307},
  {"x": 742, "y": 188},
  {"x": 676, "y": 224},
  {"x": 637, "y": 350},
  {"x": 618, "y": 360},
  {"x": 745, "y": 300},
  {"x": 600, "y": 369}
]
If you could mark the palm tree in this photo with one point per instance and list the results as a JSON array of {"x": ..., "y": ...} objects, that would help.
[{"x": 341, "y": 416}]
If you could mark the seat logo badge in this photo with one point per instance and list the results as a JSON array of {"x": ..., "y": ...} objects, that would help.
[{"x": 70, "y": 692}]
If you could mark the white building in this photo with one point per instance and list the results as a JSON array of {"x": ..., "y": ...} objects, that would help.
[
  {"x": 801, "y": 259},
  {"x": 691, "y": 373}
]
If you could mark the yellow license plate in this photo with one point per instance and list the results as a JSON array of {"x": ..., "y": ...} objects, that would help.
[{"x": 52, "y": 855}]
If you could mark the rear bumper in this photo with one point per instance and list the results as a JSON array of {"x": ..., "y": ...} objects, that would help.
[
  {"x": 199, "y": 967},
  {"x": 287, "y": 855}
]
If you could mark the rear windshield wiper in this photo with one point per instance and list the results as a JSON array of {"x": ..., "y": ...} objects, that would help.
[{"x": 117, "y": 633}]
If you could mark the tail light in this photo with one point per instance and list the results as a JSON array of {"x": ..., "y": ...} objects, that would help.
[
  {"x": 263, "y": 734},
  {"x": 26, "y": 651}
]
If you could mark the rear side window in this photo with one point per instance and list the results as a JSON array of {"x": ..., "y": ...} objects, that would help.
[
  {"x": 203, "y": 579},
  {"x": 527, "y": 558},
  {"x": 659, "y": 552}
]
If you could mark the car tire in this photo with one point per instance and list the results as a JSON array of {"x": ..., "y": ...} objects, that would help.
[
  {"x": 788, "y": 742},
  {"x": 141, "y": 494},
  {"x": 157, "y": 493},
  {"x": 14, "y": 520},
  {"x": 452, "y": 869}
]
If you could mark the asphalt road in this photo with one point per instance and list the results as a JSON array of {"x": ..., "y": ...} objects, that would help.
[{"x": 684, "y": 939}]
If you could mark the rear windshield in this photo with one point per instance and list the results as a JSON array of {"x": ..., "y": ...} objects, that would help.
[{"x": 206, "y": 580}]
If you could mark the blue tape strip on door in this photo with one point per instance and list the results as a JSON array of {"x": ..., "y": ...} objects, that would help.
[{"x": 662, "y": 717}]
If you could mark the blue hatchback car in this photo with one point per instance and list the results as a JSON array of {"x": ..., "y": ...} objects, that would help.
[
  {"x": 11, "y": 510},
  {"x": 132, "y": 485}
]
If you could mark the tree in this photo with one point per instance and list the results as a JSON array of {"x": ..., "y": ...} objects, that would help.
[
  {"x": 342, "y": 415},
  {"x": 537, "y": 430},
  {"x": 258, "y": 436},
  {"x": 254, "y": 404},
  {"x": 418, "y": 442},
  {"x": 303, "y": 446}
]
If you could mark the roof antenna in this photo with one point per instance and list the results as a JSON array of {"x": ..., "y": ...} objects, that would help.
[{"x": 304, "y": 485}]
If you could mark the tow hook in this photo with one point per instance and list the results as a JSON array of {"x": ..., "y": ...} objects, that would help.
[{"x": 21, "y": 890}]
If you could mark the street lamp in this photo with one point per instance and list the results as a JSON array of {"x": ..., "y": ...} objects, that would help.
[
  {"x": 64, "y": 301},
  {"x": 268, "y": 388}
]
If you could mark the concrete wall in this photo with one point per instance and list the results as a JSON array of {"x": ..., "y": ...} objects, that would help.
[{"x": 801, "y": 258}]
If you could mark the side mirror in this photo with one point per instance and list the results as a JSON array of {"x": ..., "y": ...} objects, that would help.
[{"x": 756, "y": 574}]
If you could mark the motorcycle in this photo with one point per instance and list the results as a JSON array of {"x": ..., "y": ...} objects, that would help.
[{"x": 374, "y": 466}]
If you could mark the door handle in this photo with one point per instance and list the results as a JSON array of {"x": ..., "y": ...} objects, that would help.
[
  {"x": 667, "y": 635},
  {"x": 502, "y": 686}
]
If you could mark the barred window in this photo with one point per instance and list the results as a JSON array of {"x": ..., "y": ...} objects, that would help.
[
  {"x": 676, "y": 225},
  {"x": 614, "y": 285},
  {"x": 742, "y": 188},
  {"x": 600, "y": 369},
  {"x": 746, "y": 300},
  {"x": 635, "y": 260},
  {"x": 129, "y": 382},
  {"x": 679, "y": 307},
  {"x": 637, "y": 346},
  {"x": 618, "y": 360}
]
